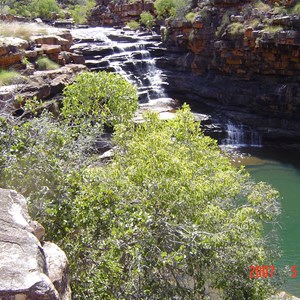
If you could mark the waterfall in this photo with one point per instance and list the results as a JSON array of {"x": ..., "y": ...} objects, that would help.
[
  {"x": 125, "y": 53},
  {"x": 239, "y": 135}
]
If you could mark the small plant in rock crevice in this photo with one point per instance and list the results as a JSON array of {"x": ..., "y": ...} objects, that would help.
[{"x": 45, "y": 63}]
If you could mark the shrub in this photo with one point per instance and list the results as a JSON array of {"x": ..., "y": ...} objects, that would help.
[
  {"x": 224, "y": 23},
  {"x": 80, "y": 13},
  {"x": 45, "y": 63},
  {"x": 236, "y": 29},
  {"x": 174, "y": 8},
  {"x": 36, "y": 8},
  {"x": 280, "y": 10},
  {"x": 182, "y": 7},
  {"x": 9, "y": 77},
  {"x": 147, "y": 19},
  {"x": 133, "y": 25},
  {"x": 45, "y": 8},
  {"x": 103, "y": 97},
  {"x": 191, "y": 16},
  {"x": 41, "y": 159},
  {"x": 167, "y": 217},
  {"x": 272, "y": 30},
  {"x": 296, "y": 9},
  {"x": 262, "y": 7},
  {"x": 164, "y": 8},
  {"x": 254, "y": 23}
]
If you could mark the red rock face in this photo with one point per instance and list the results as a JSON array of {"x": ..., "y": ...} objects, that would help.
[
  {"x": 111, "y": 14},
  {"x": 13, "y": 50},
  {"x": 250, "y": 51}
]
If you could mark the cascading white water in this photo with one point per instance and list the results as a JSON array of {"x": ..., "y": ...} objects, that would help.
[
  {"x": 238, "y": 135},
  {"x": 129, "y": 56}
]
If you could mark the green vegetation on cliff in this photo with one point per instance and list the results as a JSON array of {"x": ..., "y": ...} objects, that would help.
[
  {"x": 49, "y": 9},
  {"x": 167, "y": 217}
]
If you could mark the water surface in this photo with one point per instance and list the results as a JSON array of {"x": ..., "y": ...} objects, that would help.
[{"x": 282, "y": 170}]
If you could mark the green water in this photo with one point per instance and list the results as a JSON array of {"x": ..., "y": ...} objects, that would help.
[{"x": 282, "y": 171}]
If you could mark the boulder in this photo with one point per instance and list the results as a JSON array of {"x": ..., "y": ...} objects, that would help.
[
  {"x": 11, "y": 51},
  {"x": 10, "y": 59},
  {"x": 57, "y": 263},
  {"x": 14, "y": 43},
  {"x": 65, "y": 43},
  {"x": 25, "y": 270}
]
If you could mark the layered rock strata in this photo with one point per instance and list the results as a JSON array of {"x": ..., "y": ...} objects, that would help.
[
  {"x": 14, "y": 50},
  {"x": 245, "y": 64},
  {"x": 112, "y": 13}
]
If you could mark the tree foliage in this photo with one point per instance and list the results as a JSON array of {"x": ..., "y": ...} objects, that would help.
[
  {"x": 147, "y": 19},
  {"x": 47, "y": 9},
  {"x": 168, "y": 217},
  {"x": 41, "y": 158},
  {"x": 172, "y": 8},
  {"x": 81, "y": 10},
  {"x": 104, "y": 97},
  {"x": 33, "y": 9}
]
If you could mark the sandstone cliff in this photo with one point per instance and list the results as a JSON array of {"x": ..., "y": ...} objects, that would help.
[
  {"x": 111, "y": 13},
  {"x": 242, "y": 58}
]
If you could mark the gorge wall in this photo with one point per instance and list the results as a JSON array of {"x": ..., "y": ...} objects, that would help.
[{"x": 242, "y": 60}]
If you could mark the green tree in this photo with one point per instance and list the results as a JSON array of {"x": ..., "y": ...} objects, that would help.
[
  {"x": 147, "y": 19},
  {"x": 41, "y": 158},
  {"x": 172, "y": 8},
  {"x": 103, "y": 97},
  {"x": 45, "y": 8},
  {"x": 164, "y": 8},
  {"x": 81, "y": 10},
  {"x": 36, "y": 8},
  {"x": 169, "y": 217}
]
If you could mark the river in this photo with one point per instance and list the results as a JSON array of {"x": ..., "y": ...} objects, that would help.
[
  {"x": 132, "y": 55},
  {"x": 281, "y": 169}
]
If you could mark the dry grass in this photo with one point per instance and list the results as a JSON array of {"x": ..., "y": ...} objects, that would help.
[
  {"x": 10, "y": 77},
  {"x": 23, "y": 30},
  {"x": 262, "y": 7}
]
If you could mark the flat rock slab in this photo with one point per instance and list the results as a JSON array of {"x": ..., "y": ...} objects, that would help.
[{"x": 165, "y": 107}]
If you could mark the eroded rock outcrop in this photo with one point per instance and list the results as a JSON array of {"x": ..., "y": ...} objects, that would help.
[
  {"x": 42, "y": 85},
  {"x": 242, "y": 60},
  {"x": 111, "y": 13},
  {"x": 14, "y": 50},
  {"x": 29, "y": 269}
]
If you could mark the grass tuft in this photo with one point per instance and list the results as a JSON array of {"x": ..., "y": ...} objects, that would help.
[
  {"x": 23, "y": 30},
  {"x": 9, "y": 77},
  {"x": 133, "y": 25},
  {"x": 44, "y": 63}
]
